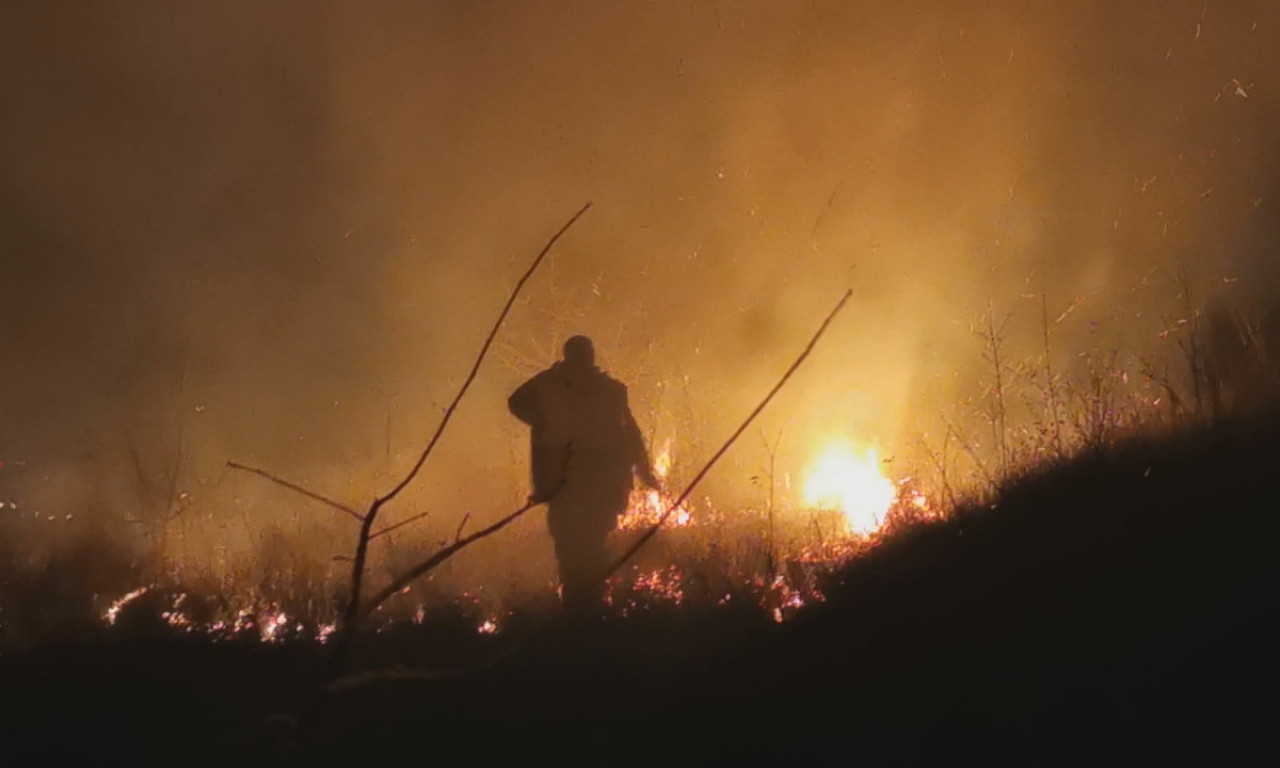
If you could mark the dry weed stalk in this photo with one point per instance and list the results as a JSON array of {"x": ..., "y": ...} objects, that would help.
[
  {"x": 1191, "y": 345},
  {"x": 993, "y": 337},
  {"x": 1051, "y": 384}
]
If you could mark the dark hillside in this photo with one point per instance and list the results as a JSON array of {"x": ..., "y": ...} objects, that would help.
[
  {"x": 1118, "y": 608},
  {"x": 1124, "y": 603}
]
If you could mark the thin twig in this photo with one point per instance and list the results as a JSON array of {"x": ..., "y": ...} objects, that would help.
[
  {"x": 994, "y": 338},
  {"x": 973, "y": 455},
  {"x": 773, "y": 454},
  {"x": 940, "y": 464},
  {"x": 398, "y": 525},
  {"x": 297, "y": 488},
  {"x": 1050, "y": 383},
  {"x": 458, "y": 533},
  {"x": 653, "y": 530}
]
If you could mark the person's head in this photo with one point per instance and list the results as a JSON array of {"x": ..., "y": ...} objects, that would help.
[{"x": 579, "y": 353}]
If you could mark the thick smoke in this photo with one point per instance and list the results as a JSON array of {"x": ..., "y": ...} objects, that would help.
[{"x": 277, "y": 232}]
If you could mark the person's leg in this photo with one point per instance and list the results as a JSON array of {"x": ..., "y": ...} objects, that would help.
[
  {"x": 594, "y": 559},
  {"x": 580, "y": 518},
  {"x": 562, "y": 522},
  {"x": 582, "y": 558}
]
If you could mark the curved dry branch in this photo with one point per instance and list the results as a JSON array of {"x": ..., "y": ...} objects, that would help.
[
  {"x": 475, "y": 368},
  {"x": 649, "y": 534}
]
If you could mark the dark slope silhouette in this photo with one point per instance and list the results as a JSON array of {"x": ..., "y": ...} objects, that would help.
[{"x": 1120, "y": 608}]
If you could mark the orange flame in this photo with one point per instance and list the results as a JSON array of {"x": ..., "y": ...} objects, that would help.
[{"x": 850, "y": 481}]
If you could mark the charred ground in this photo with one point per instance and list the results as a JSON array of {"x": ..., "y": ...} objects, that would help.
[{"x": 1120, "y": 605}]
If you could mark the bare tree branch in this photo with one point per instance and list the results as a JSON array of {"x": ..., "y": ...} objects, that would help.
[
  {"x": 353, "y": 610},
  {"x": 296, "y": 488},
  {"x": 439, "y": 557}
]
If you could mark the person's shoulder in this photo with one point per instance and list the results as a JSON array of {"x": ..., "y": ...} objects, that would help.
[
  {"x": 612, "y": 384},
  {"x": 555, "y": 371}
]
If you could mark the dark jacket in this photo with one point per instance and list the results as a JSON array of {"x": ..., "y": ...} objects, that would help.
[{"x": 581, "y": 425}]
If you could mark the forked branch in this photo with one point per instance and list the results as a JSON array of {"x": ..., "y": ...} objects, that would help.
[{"x": 439, "y": 557}]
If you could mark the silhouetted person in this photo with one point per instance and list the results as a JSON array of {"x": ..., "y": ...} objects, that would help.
[{"x": 585, "y": 447}]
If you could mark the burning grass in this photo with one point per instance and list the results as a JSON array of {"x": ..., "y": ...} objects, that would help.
[
  {"x": 778, "y": 562},
  {"x": 705, "y": 558}
]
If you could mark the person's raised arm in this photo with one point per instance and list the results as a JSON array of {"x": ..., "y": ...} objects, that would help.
[{"x": 525, "y": 403}]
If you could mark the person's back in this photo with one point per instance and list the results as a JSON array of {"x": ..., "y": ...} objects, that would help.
[{"x": 585, "y": 446}]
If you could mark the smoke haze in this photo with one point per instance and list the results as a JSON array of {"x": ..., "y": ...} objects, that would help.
[{"x": 277, "y": 232}]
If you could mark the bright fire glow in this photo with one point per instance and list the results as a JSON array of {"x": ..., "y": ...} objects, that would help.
[
  {"x": 844, "y": 479},
  {"x": 646, "y": 505}
]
